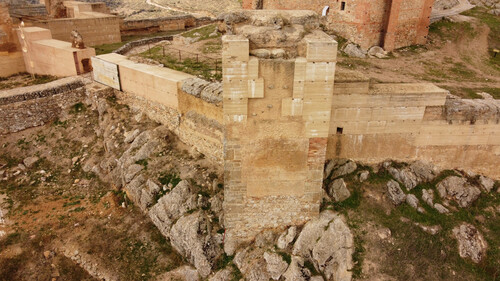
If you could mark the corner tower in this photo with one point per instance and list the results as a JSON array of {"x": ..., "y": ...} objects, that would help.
[{"x": 278, "y": 75}]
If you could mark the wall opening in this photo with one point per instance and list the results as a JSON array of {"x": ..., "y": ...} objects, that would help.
[
  {"x": 87, "y": 67},
  {"x": 342, "y": 6},
  {"x": 340, "y": 130}
]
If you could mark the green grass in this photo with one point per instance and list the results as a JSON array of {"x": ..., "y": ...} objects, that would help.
[
  {"x": 108, "y": 48},
  {"x": 24, "y": 79},
  {"x": 472, "y": 93},
  {"x": 203, "y": 32},
  {"x": 205, "y": 69},
  {"x": 447, "y": 30},
  {"x": 493, "y": 22}
]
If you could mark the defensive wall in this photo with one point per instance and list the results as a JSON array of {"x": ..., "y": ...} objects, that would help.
[
  {"x": 91, "y": 20},
  {"x": 147, "y": 26},
  {"x": 388, "y": 23},
  {"x": 32, "y": 106},
  {"x": 283, "y": 116}
]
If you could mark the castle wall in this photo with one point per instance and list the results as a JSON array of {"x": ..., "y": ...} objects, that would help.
[
  {"x": 96, "y": 29},
  {"x": 415, "y": 121},
  {"x": 32, "y": 106},
  {"x": 382, "y": 121},
  {"x": 276, "y": 120},
  {"x": 157, "y": 92},
  {"x": 388, "y": 23},
  {"x": 47, "y": 56}
]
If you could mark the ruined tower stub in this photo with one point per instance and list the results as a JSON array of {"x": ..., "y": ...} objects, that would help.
[{"x": 277, "y": 107}]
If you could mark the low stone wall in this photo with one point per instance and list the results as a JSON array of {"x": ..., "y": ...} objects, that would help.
[
  {"x": 147, "y": 26},
  {"x": 130, "y": 45},
  {"x": 33, "y": 106}
]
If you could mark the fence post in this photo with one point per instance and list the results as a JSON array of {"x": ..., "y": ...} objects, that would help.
[
  {"x": 163, "y": 47},
  {"x": 197, "y": 60},
  {"x": 180, "y": 56},
  {"x": 149, "y": 49}
]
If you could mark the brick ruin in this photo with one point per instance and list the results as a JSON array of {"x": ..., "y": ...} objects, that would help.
[{"x": 391, "y": 24}]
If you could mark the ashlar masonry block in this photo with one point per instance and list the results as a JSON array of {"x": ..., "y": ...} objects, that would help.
[
  {"x": 235, "y": 48},
  {"x": 323, "y": 49}
]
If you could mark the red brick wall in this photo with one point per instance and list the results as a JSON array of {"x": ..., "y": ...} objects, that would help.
[{"x": 366, "y": 22}]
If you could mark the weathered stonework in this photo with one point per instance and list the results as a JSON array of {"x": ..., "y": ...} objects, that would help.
[
  {"x": 276, "y": 120},
  {"x": 391, "y": 24},
  {"x": 33, "y": 106}
]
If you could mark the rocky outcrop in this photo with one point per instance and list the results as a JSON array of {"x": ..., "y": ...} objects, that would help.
[
  {"x": 328, "y": 242},
  {"x": 191, "y": 237},
  {"x": 287, "y": 237},
  {"x": 395, "y": 193},
  {"x": 459, "y": 190},
  {"x": 354, "y": 51},
  {"x": 183, "y": 273},
  {"x": 252, "y": 264},
  {"x": 210, "y": 92},
  {"x": 296, "y": 271},
  {"x": 172, "y": 206},
  {"x": 414, "y": 174},
  {"x": 276, "y": 266},
  {"x": 339, "y": 167},
  {"x": 471, "y": 243},
  {"x": 338, "y": 191}
]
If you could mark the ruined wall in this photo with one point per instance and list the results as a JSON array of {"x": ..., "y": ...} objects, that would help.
[
  {"x": 191, "y": 109},
  {"x": 414, "y": 121},
  {"x": 101, "y": 29},
  {"x": 147, "y": 26},
  {"x": 46, "y": 56},
  {"x": 33, "y": 106},
  {"x": 133, "y": 27},
  {"x": 391, "y": 24}
]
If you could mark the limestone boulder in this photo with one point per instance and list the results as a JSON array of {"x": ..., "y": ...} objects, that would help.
[
  {"x": 328, "y": 242},
  {"x": 131, "y": 135},
  {"x": 363, "y": 176},
  {"x": 344, "y": 169},
  {"x": 395, "y": 193},
  {"x": 296, "y": 271},
  {"x": 225, "y": 274},
  {"x": 287, "y": 237},
  {"x": 276, "y": 266},
  {"x": 30, "y": 161},
  {"x": 459, "y": 190},
  {"x": 183, "y": 273},
  {"x": 191, "y": 237},
  {"x": 172, "y": 206},
  {"x": 486, "y": 183},
  {"x": 338, "y": 191},
  {"x": 251, "y": 263},
  {"x": 412, "y": 200},
  {"x": 377, "y": 52},
  {"x": 405, "y": 176},
  {"x": 132, "y": 171},
  {"x": 471, "y": 243},
  {"x": 354, "y": 51},
  {"x": 425, "y": 172},
  {"x": 441, "y": 209},
  {"x": 428, "y": 196}
]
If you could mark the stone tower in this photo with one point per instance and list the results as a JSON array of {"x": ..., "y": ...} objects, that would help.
[{"x": 278, "y": 74}]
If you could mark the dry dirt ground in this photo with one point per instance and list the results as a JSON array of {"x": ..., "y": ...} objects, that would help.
[
  {"x": 57, "y": 220},
  {"x": 458, "y": 58}
]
